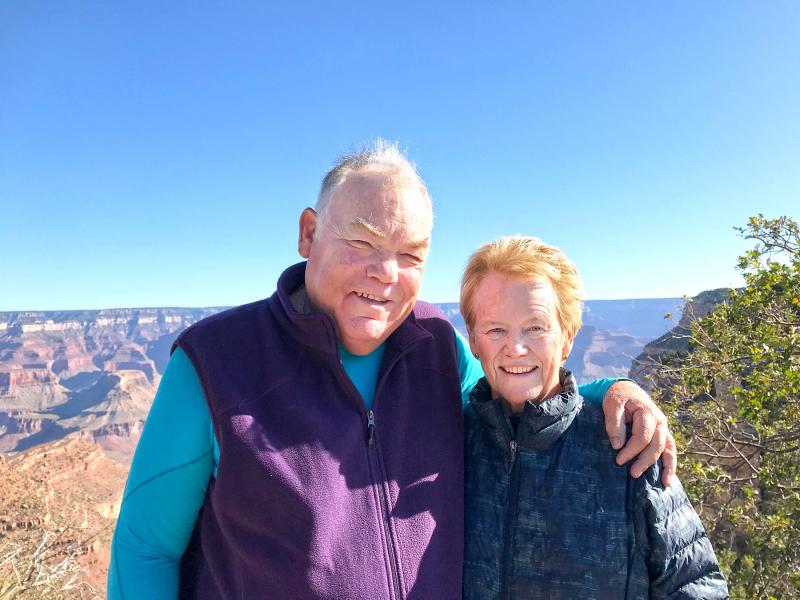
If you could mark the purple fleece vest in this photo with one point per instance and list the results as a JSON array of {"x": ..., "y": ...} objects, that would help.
[{"x": 310, "y": 501}]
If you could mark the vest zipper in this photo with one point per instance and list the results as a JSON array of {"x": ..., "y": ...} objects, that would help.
[
  {"x": 379, "y": 476},
  {"x": 383, "y": 504},
  {"x": 376, "y": 465},
  {"x": 370, "y": 429},
  {"x": 376, "y": 471}
]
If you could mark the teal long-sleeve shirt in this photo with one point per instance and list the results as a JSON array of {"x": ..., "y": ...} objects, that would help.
[{"x": 177, "y": 457}]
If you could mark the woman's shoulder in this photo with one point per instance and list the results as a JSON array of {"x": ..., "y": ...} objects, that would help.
[{"x": 589, "y": 429}]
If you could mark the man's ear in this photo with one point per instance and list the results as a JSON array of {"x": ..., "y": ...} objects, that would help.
[{"x": 308, "y": 227}]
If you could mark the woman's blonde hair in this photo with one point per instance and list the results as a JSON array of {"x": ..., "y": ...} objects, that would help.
[{"x": 524, "y": 257}]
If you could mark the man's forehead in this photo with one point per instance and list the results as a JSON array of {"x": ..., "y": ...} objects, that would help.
[
  {"x": 370, "y": 185},
  {"x": 382, "y": 175}
]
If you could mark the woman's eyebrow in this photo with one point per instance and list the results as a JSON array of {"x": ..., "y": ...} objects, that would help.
[{"x": 488, "y": 323}]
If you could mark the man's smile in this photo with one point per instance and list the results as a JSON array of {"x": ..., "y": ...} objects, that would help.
[{"x": 371, "y": 297}]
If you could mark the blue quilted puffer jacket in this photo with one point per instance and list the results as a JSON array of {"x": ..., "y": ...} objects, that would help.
[{"x": 549, "y": 514}]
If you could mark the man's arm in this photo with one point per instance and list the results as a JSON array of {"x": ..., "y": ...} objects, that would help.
[
  {"x": 165, "y": 490},
  {"x": 623, "y": 401}
]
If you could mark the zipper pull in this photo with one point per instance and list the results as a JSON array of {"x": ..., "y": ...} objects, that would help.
[
  {"x": 513, "y": 446},
  {"x": 370, "y": 429}
]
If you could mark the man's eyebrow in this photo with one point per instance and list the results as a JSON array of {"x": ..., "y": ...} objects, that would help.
[
  {"x": 420, "y": 245},
  {"x": 360, "y": 223}
]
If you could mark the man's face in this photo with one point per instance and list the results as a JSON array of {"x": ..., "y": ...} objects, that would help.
[{"x": 366, "y": 256}]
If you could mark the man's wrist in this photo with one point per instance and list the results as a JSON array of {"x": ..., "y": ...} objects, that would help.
[{"x": 595, "y": 391}]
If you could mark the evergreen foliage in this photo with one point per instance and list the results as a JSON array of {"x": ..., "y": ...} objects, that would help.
[{"x": 734, "y": 398}]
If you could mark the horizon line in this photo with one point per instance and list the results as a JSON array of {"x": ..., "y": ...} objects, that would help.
[{"x": 227, "y": 306}]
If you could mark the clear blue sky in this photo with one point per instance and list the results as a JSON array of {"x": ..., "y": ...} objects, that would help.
[{"x": 159, "y": 154}]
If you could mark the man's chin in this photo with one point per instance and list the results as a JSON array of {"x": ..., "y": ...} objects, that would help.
[{"x": 363, "y": 339}]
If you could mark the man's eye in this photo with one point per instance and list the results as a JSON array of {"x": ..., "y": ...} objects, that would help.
[
  {"x": 361, "y": 244},
  {"x": 496, "y": 331},
  {"x": 412, "y": 258}
]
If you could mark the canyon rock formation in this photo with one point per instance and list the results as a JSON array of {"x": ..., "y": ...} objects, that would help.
[
  {"x": 646, "y": 364},
  {"x": 92, "y": 372}
]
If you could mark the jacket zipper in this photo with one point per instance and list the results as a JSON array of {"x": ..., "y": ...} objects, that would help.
[
  {"x": 508, "y": 527},
  {"x": 513, "y": 447}
]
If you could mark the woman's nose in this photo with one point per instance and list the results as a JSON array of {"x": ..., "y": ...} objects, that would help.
[{"x": 516, "y": 347}]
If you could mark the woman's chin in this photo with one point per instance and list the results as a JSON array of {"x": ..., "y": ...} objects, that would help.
[
  {"x": 535, "y": 394},
  {"x": 516, "y": 401}
]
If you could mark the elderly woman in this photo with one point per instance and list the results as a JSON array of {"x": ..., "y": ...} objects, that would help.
[{"x": 548, "y": 512}]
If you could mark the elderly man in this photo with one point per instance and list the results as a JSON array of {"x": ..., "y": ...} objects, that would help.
[{"x": 310, "y": 445}]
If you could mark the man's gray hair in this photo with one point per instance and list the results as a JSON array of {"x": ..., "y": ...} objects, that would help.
[{"x": 378, "y": 153}]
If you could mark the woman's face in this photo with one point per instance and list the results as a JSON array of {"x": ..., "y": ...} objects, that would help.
[{"x": 518, "y": 338}]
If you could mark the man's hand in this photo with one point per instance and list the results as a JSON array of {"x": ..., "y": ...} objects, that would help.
[{"x": 650, "y": 439}]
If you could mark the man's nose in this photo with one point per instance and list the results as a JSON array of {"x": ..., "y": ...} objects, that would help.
[{"x": 384, "y": 268}]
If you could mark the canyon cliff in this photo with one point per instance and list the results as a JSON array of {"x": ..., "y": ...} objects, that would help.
[
  {"x": 676, "y": 340},
  {"x": 90, "y": 372}
]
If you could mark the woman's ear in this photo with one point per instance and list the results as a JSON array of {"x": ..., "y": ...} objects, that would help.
[{"x": 473, "y": 345}]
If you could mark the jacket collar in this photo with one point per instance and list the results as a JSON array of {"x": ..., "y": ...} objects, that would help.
[
  {"x": 301, "y": 320},
  {"x": 540, "y": 424}
]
